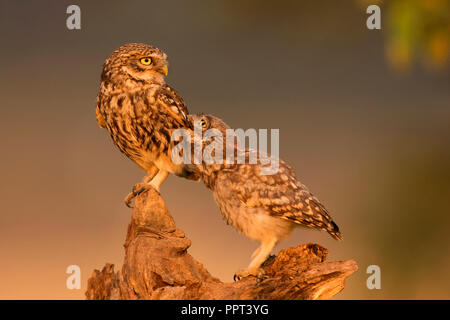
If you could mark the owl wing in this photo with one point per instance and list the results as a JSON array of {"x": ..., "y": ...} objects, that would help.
[
  {"x": 168, "y": 98},
  {"x": 282, "y": 195}
]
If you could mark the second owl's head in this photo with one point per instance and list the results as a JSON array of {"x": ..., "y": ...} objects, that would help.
[
  {"x": 208, "y": 121},
  {"x": 136, "y": 61}
]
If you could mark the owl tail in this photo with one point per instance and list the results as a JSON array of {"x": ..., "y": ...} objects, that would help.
[{"x": 333, "y": 230}]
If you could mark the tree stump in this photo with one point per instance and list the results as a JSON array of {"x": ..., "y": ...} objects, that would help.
[{"x": 158, "y": 266}]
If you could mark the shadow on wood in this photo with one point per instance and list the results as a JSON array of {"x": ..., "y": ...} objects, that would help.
[{"x": 158, "y": 266}]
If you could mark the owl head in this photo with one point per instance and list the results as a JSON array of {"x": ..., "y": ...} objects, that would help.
[
  {"x": 135, "y": 63},
  {"x": 208, "y": 121}
]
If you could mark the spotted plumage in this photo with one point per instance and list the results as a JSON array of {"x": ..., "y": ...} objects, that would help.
[
  {"x": 263, "y": 207},
  {"x": 140, "y": 111}
]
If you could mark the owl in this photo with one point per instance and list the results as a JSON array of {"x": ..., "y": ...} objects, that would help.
[
  {"x": 140, "y": 111},
  {"x": 265, "y": 208}
]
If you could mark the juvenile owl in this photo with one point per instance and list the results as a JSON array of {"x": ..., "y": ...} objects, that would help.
[
  {"x": 263, "y": 207},
  {"x": 140, "y": 111}
]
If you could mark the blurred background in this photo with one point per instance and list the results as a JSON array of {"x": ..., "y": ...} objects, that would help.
[{"x": 363, "y": 116}]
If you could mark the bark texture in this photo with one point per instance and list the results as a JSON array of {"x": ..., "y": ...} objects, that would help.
[{"x": 158, "y": 266}]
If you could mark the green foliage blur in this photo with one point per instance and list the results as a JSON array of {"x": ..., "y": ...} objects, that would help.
[{"x": 418, "y": 30}]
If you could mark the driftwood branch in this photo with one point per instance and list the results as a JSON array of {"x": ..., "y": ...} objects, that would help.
[{"x": 158, "y": 266}]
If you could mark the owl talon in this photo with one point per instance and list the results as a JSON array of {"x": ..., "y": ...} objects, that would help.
[
  {"x": 138, "y": 188},
  {"x": 258, "y": 273},
  {"x": 128, "y": 199}
]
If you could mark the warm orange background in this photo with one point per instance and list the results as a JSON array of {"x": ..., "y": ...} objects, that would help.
[{"x": 372, "y": 143}]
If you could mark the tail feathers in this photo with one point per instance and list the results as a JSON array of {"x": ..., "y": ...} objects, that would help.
[
  {"x": 328, "y": 225},
  {"x": 334, "y": 231}
]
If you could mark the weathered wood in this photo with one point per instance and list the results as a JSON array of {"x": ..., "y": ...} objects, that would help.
[{"x": 158, "y": 266}]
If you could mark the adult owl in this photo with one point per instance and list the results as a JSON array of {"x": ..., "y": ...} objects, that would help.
[
  {"x": 140, "y": 111},
  {"x": 263, "y": 207}
]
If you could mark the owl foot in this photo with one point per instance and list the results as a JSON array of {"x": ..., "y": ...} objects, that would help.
[
  {"x": 138, "y": 188},
  {"x": 258, "y": 273}
]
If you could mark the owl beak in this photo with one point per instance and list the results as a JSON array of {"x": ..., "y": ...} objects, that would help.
[{"x": 164, "y": 70}]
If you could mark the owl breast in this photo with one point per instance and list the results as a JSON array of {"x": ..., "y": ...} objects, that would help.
[
  {"x": 138, "y": 126},
  {"x": 255, "y": 223}
]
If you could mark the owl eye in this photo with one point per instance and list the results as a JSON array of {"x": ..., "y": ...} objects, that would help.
[
  {"x": 146, "y": 61},
  {"x": 203, "y": 123}
]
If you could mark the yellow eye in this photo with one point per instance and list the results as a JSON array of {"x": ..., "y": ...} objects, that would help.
[
  {"x": 203, "y": 122},
  {"x": 146, "y": 61}
]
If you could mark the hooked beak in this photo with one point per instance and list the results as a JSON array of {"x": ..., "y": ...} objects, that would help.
[{"x": 164, "y": 70}]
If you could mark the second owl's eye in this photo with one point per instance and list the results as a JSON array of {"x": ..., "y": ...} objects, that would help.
[
  {"x": 203, "y": 123},
  {"x": 146, "y": 61}
]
